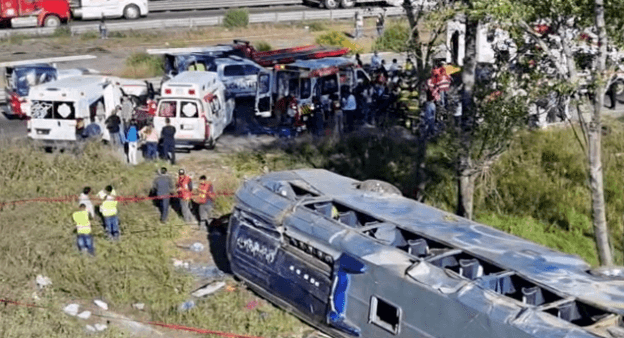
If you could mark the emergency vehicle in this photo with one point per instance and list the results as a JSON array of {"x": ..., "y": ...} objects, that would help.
[
  {"x": 20, "y": 76},
  {"x": 196, "y": 105},
  {"x": 60, "y": 109},
  {"x": 240, "y": 76},
  {"x": 96, "y": 9},
  {"x": 305, "y": 79}
]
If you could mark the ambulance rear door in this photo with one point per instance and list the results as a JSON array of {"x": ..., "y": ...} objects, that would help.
[
  {"x": 264, "y": 91},
  {"x": 190, "y": 126}
]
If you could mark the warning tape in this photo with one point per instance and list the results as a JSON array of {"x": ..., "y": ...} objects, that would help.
[{"x": 153, "y": 323}]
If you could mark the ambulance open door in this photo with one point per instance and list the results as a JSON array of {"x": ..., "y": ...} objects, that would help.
[{"x": 264, "y": 94}]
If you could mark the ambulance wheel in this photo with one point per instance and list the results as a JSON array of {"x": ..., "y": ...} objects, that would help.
[
  {"x": 347, "y": 3},
  {"x": 210, "y": 144},
  {"x": 51, "y": 21},
  {"x": 331, "y": 4},
  {"x": 131, "y": 12}
]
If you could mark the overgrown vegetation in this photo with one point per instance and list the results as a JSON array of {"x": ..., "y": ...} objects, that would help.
[
  {"x": 338, "y": 39},
  {"x": 236, "y": 18},
  {"x": 62, "y": 32},
  {"x": 90, "y": 35},
  {"x": 263, "y": 46},
  {"x": 143, "y": 65},
  {"x": 39, "y": 239},
  {"x": 394, "y": 38}
]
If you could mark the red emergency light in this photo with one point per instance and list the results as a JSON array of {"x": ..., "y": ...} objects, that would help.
[
  {"x": 191, "y": 91},
  {"x": 167, "y": 91}
]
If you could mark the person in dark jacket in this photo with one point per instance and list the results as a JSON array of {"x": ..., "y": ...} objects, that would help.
[
  {"x": 113, "y": 124},
  {"x": 163, "y": 186},
  {"x": 167, "y": 136}
]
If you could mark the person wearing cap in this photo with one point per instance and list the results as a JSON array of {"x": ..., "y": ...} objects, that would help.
[
  {"x": 185, "y": 192},
  {"x": 205, "y": 200}
]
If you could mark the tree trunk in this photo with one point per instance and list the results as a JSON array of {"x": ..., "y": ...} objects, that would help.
[
  {"x": 465, "y": 174},
  {"x": 595, "y": 134}
]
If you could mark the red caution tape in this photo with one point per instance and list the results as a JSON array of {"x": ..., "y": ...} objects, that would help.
[{"x": 165, "y": 325}]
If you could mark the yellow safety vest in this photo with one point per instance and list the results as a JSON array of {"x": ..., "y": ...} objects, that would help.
[
  {"x": 109, "y": 207},
  {"x": 83, "y": 226},
  {"x": 102, "y": 194}
]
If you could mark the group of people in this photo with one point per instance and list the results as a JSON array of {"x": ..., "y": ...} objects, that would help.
[
  {"x": 163, "y": 189},
  {"x": 125, "y": 131}
]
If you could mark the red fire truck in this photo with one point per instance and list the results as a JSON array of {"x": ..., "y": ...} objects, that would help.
[{"x": 29, "y": 13}]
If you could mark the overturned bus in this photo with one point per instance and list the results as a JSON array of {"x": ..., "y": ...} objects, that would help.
[{"x": 356, "y": 259}]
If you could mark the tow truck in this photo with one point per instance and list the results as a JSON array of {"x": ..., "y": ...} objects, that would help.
[{"x": 20, "y": 76}]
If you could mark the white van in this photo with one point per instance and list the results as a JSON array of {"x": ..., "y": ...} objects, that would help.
[
  {"x": 59, "y": 108},
  {"x": 196, "y": 105},
  {"x": 96, "y": 9}
]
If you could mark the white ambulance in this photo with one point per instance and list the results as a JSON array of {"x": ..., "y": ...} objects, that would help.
[
  {"x": 196, "y": 105},
  {"x": 59, "y": 109}
]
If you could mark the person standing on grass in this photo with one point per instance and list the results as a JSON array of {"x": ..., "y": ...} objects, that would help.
[
  {"x": 133, "y": 140},
  {"x": 184, "y": 187},
  {"x": 113, "y": 124},
  {"x": 83, "y": 230},
  {"x": 84, "y": 199},
  {"x": 162, "y": 188},
  {"x": 150, "y": 136},
  {"x": 167, "y": 134},
  {"x": 103, "y": 30},
  {"x": 381, "y": 21},
  {"x": 359, "y": 24},
  {"x": 205, "y": 201},
  {"x": 108, "y": 209}
]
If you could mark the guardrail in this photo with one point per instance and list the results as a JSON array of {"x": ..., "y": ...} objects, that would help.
[
  {"x": 203, "y": 21},
  {"x": 164, "y": 6}
]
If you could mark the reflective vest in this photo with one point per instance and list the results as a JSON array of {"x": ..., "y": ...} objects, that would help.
[
  {"x": 183, "y": 187},
  {"x": 83, "y": 226},
  {"x": 102, "y": 194},
  {"x": 108, "y": 208},
  {"x": 205, "y": 193}
]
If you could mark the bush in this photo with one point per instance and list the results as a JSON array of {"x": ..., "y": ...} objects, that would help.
[
  {"x": 316, "y": 26},
  {"x": 263, "y": 46},
  {"x": 62, "y": 32},
  {"x": 142, "y": 65},
  {"x": 90, "y": 35},
  {"x": 236, "y": 17},
  {"x": 393, "y": 39},
  {"x": 338, "y": 39}
]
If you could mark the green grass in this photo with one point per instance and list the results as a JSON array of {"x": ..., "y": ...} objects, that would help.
[
  {"x": 142, "y": 65},
  {"x": 338, "y": 39}
]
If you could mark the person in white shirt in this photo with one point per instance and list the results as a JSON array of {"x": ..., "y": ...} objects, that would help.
[
  {"x": 375, "y": 60},
  {"x": 84, "y": 199},
  {"x": 349, "y": 105}
]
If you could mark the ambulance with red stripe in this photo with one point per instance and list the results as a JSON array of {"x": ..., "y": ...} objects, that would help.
[{"x": 196, "y": 106}]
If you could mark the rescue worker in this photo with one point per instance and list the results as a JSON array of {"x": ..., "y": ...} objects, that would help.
[
  {"x": 185, "y": 192},
  {"x": 108, "y": 209},
  {"x": 84, "y": 199},
  {"x": 167, "y": 135},
  {"x": 83, "y": 230},
  {"x": 205, "y": 201},
  {"x": 162, "y": 188}
]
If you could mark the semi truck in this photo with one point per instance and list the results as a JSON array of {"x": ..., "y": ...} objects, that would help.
[{"x": 53, "y": 13}]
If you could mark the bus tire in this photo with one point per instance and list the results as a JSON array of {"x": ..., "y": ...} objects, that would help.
[
  {"x": 131, "y": 12},
  {"x": 347, "y": 3},
  {"x": 51, "y": 21},
  {"x": 331, "y": 4}
]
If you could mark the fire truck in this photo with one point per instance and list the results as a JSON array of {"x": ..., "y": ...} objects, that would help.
[
  {"x": 20, "y": 76},
  {"x": 52, "y": 13}
]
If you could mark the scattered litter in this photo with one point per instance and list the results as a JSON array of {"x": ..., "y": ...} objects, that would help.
[
  {"x": 252, "y": 305},
  {"x": 90, "y": 328},
  {"x": 71, "y": 309},
  {"x": 177, "y": 263},
  {"x": 84, "y": 315},
  {"x": 34, "y": 296},
  {"x": 43, "y": 281},
  {"x": 138, "y": 306},
  {"x": 230, "y": 288},
  {"x": 210, "y": 272},
  {"x": 197, "y": 247},
  {"x": 186, "y": 305},
  {"x": 101, "y": 304},
  {"x": 100, "y": 327},
  {"x": 186, "y": 265},
  {"x": 208, "y": 289}
]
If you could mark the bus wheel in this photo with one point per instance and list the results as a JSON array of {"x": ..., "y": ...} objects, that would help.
[
  {"x": 51, "y": 21},
  {"x": 131, "y": 12},
  {"x": 347, "y": 3},
  {"x": 331, "y": 4}
]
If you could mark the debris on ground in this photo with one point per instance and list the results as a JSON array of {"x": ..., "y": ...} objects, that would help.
[
  {"x": 71, "y": 309},
  {"x": 84, "y": 315},
  {"x": 186, "y": 306},
  {"x": 100, "y": 327},
  {"x": 211, "y": 272},
  {"x": 138, "y": 306},
  {"x": 131, "y": 325},
  {"x": 208, "y": 289},
  {"x": 264, "y": 315},
  {"x": 230, "y": 288},
  {"x": 177, "y": 263},
  {"x": 43, "y": 281},
  {"x": 90, "y": 328},
  {"x": 197, "y": 247},
  {"x": 35, "y": 296},
  {"x": 101, "y": 304},
  {"x": 252, "y": 305}
]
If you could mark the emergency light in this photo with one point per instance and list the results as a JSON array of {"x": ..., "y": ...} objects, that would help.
[
  {"x": 167, "y": 91},
  {"x": 191, "y": 91}
]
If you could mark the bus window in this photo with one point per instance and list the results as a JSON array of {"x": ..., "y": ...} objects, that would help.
[{"x": 167, "y": 109}]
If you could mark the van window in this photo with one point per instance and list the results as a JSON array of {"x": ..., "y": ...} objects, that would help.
[
  {"x": 167, "y": 109},
  {"x": 215, "y": 106},
  {"x": 251, "y": 70},
  {"x": 385, "y": 315},
  {"x": 53, "y": 110},
  {"x": 234, "y": 70},
  {"x": 189, "y": 109}
]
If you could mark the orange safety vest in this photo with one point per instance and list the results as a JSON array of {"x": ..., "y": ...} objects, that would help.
[
  {"x": 205, "y": 193},
  {"x": 183, "y": 187}
]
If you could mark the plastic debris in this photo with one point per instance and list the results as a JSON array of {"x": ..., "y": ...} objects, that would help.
[
  {"x": 90, "y": 328},
  {"x": 208, "y": 289},
  {"x": 101, "y": 304},
  {"x": 71, "y": 309},
  {"x": 177, "y": 263},
  {"x": 43, "y": 281},
  {"x": 252, "y": 305},
  {"x": 197, "y": 247},
  {"x": 35, "y": 296},
  {"x": 230, "y": 288},
  {"x": 186, "y": 265},
  {"x": 186, "y": 305},
  {"x": 84, "y": 315},
  {"x": 100, "y": 327},
  {"x": 138, "y": 306}
]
